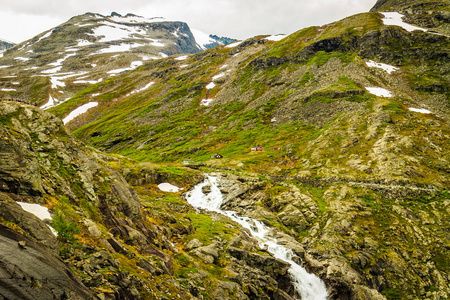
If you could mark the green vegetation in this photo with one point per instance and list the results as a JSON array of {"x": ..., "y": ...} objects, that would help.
[
  {"x": 206, "y": 229},
  {"x": 64, "y": 225}
]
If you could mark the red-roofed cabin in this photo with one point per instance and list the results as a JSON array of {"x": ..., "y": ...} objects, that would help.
[{"x": 259, "y": 148}]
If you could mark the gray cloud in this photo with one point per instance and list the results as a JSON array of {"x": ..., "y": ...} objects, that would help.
[{"x": 234, "y": 18}]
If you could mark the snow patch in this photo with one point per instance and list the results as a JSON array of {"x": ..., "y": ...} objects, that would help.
[
  {"x": 223, "y": 67},
  {"x": 110, "y": 32},
  {"x": 118, "y": 48},
  {"x": 24, "y": 59},
  {"x": 8, "y": 90},
  {"x": 51, "y": 102},
  {"x": 181, "y": 57},
  {"x": 183, "y": 66},
  {"x": 52, "y": 71},
  {"x": 202, "y": 38},
  {"x": 83, "y": 43},
  {"x": 2, "y": 67},
  {"x": 140, "y": 90},
  {"x": 276, "y": 38},
  {"x": 163, "y": 55},
  {"x": 79, "y": 111},
  {"x": 386, "y": 67},
  {"x": 395, "y": 19},
  {"x": 56, "y": 82},
  {"x": 211, "y": 85},
  {"x": 167, "y": 187},
  {"x": 420, "y": 110},
  {"x": 218, "y": 76},
  {"x": 206, "y": 102},
  {"x": 232, "y": 45},
  {"x": 44, "y": 36},
  {"x": 88, "y": 81},
  {"x": 377, "y": 91},
  {"x": 38, "y": 210}
]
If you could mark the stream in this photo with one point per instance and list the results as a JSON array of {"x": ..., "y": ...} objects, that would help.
[{"x": 309, "y": 286}]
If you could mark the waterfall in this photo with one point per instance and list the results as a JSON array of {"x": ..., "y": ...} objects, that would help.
[{"x": 309, "y": 286}]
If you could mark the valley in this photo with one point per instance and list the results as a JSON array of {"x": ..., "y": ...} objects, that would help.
[{"x": 169, "y": 164}]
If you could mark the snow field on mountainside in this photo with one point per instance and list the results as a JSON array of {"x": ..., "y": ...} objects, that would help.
[
  {"x": 39, "y": 211},
  {"x": 235, "y": 44},
  {"x": 210, "y": 86},
  {"x": 8, "y": 90},
  {"x": 276, "y": 38},
  {"x": 124, "y": 47},
  {"x": 88, "y": 81},
  {"x": 420, "y": 110},
  {"x": 395, "y": 19},
  {"x": 110, "y": 32},
  {"x": 51, "y": 102},
  {"x": 206, "y": 102},
  {"x": 141, "y": 89},
  {"x": 181, "y": 57},
  {"x": 377, "y": 91},
  {"x": 202, "y": 38},
  {"x": 386, "y": 67},
  {"x": 79, "y": 111}
]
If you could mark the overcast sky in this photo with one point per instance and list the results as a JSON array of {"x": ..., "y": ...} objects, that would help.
[{"x": 23, "y": 19}]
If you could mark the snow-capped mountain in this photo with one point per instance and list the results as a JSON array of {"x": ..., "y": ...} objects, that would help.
[{"x": 90, "y": 48}]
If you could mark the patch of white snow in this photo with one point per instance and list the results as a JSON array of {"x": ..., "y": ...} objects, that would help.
[
  {"x": 420, "y": 110},
  {"x": 377, "y": 91},
  {"x": 181, "y": 57},
  {"x": 395, "y": 19},
  {"x": 88, "y": 81},
  {"x": 276, "y": 38},
  {"x": 38, "y": 210},
  {"x": 79, "y": 111},
  {"x": 183, "y": 66},
  {"x": 167, "y": 187},
  {"x": 83, "y": 43},
  {"x": 206, "y": 102},
  {"x": 211, "y": 85},
  {"x": 232, "y": 45},
  {"x": 386, "y": 67},
  {"x": 24, "y": 59},
  {"x": 8, "y": 90},
  {"x": 141, "y": 89},
  {"x": 218, "y": 76}
]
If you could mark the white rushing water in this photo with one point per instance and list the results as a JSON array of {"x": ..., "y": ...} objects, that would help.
[{"x": 309, "y": 286}]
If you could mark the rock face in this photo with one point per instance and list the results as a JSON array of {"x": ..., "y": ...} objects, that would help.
[{"x": 30, "y": 271}]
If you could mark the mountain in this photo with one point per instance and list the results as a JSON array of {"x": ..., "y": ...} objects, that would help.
[
  {"x": 5, "y": 45},
  {"x": 87, "y": 49},
  {"x": 353, "y": 122}
]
